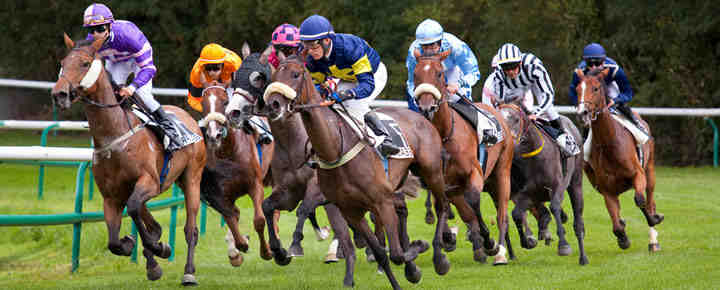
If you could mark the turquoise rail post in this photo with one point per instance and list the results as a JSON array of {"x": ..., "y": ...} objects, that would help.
[
  {"x": 173, "y": 224},
  {"x": 715, "y": 140},
  {"x": 133, "y": 232},
  {"x": 91, "y": 185},
  {"x": 41, "y": 175},
  {"x": 203, "y": 218},
  {"x": 77, "y": 227}
]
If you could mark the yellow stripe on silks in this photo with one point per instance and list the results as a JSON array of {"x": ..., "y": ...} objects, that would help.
[
  {"x": 536, "y": 151},
  {"x": 362, "y": 65},
  {"x": 344, "y": 74},
  {"x": 318, "y": 77},
  {"x": 344, "y": 159}
]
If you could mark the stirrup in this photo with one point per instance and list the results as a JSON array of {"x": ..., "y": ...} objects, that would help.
[
  {"x": 567, "y": 144},
  {"x": 387, "y": 148},
  {"x": 488, "y": 137}
]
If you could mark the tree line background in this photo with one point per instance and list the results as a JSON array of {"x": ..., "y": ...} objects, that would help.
[{"x": 669, "y": 49}]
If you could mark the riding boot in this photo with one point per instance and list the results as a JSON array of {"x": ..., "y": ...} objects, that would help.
[
  {"x": 169, "y": 129},
  {"x": 566, "y": 141},
  {"x": 387, "y": 148},
  {"x": 625, "y": 110}
]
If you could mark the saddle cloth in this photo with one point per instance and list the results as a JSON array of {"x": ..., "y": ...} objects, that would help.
[
  {"x": 396, "y": 135},
  {"x": 187, "y": 137},
  {"x": 640, "y": 137},
  {"x": 480, "y": 120}
]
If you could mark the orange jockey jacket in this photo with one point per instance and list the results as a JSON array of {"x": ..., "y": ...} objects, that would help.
[{"x": 211, "y": 53}]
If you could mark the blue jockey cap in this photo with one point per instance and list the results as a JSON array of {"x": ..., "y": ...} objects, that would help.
[
  {"x": 593, "y": 50},
  {"x": 429, "y": 31},
  {"x": 315, "y": 27}
]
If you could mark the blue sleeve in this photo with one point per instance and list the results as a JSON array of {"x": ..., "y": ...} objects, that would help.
[
  {"x": 572, "y": 93},
  {"x": 467, "y": 62},
  {"x": 411, "y": 103},
  {"x": 366, "y": 85},
  {"x": 410, "y": 63},
  {"x": 626, "y": 92}
]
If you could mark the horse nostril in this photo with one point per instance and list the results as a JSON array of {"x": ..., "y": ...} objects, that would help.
[{"x": 275, "y": 105}]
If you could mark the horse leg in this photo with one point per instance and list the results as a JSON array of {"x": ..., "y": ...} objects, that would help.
[
  {"x": 500, "y": 198},
  {"x": 154, "y": 272},
  {"x": 379, "y": 234},
  {"x": 613, "y": 206},
  {"x": 237, "y": 242},
  {"x": 190, "y": 184},
  {"x": 429, "y": 217},
  {"x": 410, "y": 250},
  {"x": 543, "y": 217},
  {"x": 653, "y": 245},
  {"x": 578, "y": 203},
  {"x": 556, "y": 200},
  {"x": 112, "y": 210},
  {"x": 436, "y": 187},
  {"x": 269, "y": 206},
  {"x": 342, "y": 235},
  {"x": 359, "y": 224},
  {"x": 473, "y": 199},
  {"x": 321, "y": 233},
  {"x": 141, "y": 194},
  {"x": 468, "y": 216},
  {"x": 518, "y": 215},
  {"x": 257, "y": 194}
]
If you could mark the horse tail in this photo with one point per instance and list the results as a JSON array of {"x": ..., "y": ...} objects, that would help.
[{"x": 211, "y": 190}]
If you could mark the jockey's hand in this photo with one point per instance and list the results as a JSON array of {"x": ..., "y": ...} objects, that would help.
[
  {"x": 453, "y": 88},
  {"x": 533, "y": 117},
  {"x": 126, "y": 91},
  {"x": 612, "y": 103},
  {"x": 345, "y": 95}
]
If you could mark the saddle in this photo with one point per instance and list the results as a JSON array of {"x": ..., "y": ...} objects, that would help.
[
  {"x": 395, "y": 134},
  {"x": 187, "y": 137},
  {"x": 487, "y": 126}
]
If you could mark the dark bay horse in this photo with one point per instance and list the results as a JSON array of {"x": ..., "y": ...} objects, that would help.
[
  {"x": 464, "y": 174},
  {"x": 240, "y": 155},
  {"x": 614, "y": 165},
  {"x": 292, "y": 181},
  {"x": 358, "y": 184},
  {"x": 128, "y": 162},
  {"x": 540, "y": 174}
]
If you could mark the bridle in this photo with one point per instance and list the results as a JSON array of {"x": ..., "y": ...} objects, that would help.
[
  {"x": 596, "y": 105},
  {"x": 74, "y": 96}
]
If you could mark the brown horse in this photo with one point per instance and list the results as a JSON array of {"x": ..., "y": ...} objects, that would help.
[
  {"x": 238, "y": 150},
  {"x": 358, "y": 184},
  {"x": 127, "y": 166},
  {"x": 614, "y": 165},
  {"x": 464, "y": 173},
  {"x": 540, "y": 174}
]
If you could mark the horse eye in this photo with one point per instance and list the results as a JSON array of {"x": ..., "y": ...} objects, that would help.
[
  {"x": 86, "y": 64},
  {"x": 225, "y": 103},
  {"x": 595, "y": 89},
  {"x": 296, "y": 75}
]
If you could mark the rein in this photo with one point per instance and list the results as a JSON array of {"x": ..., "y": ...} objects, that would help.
[{"x": 520, "y": 138}]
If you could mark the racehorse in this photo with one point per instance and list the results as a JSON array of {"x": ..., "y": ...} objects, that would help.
[
  {"x": 128, "y": 159},
  {"x": 351, "y": 173},
  {"x": 292, "y": 181},
  {"x": 614, "y": 166},
  {"x": 465, "y": 176},
  {"x": 221, "y": 190},
  {"x": 540, "y": 174}
]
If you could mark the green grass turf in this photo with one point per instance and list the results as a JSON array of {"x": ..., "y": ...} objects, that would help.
[{"x": 39, "y": 257}]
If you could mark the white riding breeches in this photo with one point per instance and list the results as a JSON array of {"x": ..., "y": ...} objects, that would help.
[
  {"x": 119, "y": 71},
  {"x": 359, "y": 107}
]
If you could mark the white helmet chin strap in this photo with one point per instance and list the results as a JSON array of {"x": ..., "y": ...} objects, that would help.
[{"x": 92, "y": 75}]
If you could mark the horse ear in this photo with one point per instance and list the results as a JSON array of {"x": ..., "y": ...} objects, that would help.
[
  {"x": 416, "y": 53},
  {"x": 605, "y": 72},
  {"x": 579, "y": 73},
  {"x": 280, "y": 55},
  {"x": 68, "y": 42},
  {"x": 245, "y": 50},
  {"x": 265, "y": 54},
  {"x": 444, "y": 54},
  {"x": 97, "y": 43}
]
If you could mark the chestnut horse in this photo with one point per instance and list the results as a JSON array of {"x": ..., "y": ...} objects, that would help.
[
  {"x": 292, "y": 181},
  {"x": 614, "y": 165},
  {"x": 540, "y": 174},
  {"x": 128, "y": 162},
  {"x": 225, "y": 142},
  {"x": 464, "y": 173},
  {"x": 357, "y": 182}
]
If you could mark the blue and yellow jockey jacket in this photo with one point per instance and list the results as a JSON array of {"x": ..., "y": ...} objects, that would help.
[{"x": 351, "y": 59}]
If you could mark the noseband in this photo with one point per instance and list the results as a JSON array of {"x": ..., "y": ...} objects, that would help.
[{"x": 74, "y": 90}]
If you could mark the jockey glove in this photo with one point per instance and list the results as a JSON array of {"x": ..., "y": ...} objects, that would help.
[{"x": 344, "y": 95}]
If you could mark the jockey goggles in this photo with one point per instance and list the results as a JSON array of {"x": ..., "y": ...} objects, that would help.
[
  {"x": 97, "y": 29},
  {"x": 593, "y": 62},
  {"x": 311, "y": 44},
  {"x": 285, "y": 49},
  {"x": 509, "y": 66},
  {"x": 213, "y": 67}
]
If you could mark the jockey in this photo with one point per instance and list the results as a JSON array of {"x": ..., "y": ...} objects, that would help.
[
  {"x": 619, "y": 90},
  {"x": 461, "y": 66},
  {"x": 520, "y": 72},
  {"x": 285, "y": 38},
  {"x": 214, "y": 67},
  {"x": 351, "y": 59},
  {"x": 487, "y": 96},
  {"x": 126, "y": 50}
]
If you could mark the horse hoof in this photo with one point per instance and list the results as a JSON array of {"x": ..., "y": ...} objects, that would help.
[
  {"x": 480, "y": 256},
  {"x": 548, "y": 242},
  {"x": 531, "y": 242},
  {"x": 500, "y": 261},
  {"x": 282, "y": 258},
  {"x": 421, "y": 245},
  {"x": 369, "y": 255},
  {"x": 154, "y": 273},
  {"x": 331, "y": 258},
  {"x": 654, "y": 247},
  {"x": 165, "y": 251},
  {"x": 449, "y": 241},
  {"x": 296, "y": 251},
  {"x": 564, "y": 250},
  {"x": 237, "y": 260},
  {"x": 492, "y": 251},
  {"x": 584, "y": 261},
  {"x": 441, "y": 263},
  {"x": 429, "y": 218},
  {"x": 189, "y": 280},
  {"x": 657, "y": 219},
  {"x": 413, "y": 273},
  {"x": 624, "y": 244}
]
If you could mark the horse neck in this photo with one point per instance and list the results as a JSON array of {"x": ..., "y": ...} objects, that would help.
[
  {"x": 443, "y": 120},
  {"x": 290, "y": 139},
  {"x": 227, "y": 146},
  {"x": 321, "y": 125},
  {"x": 106, "y": 124},
  {"x": 604, "y": 128}
]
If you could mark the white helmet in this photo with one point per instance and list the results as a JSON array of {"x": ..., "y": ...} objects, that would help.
[{"x": 508, "y": 53}]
